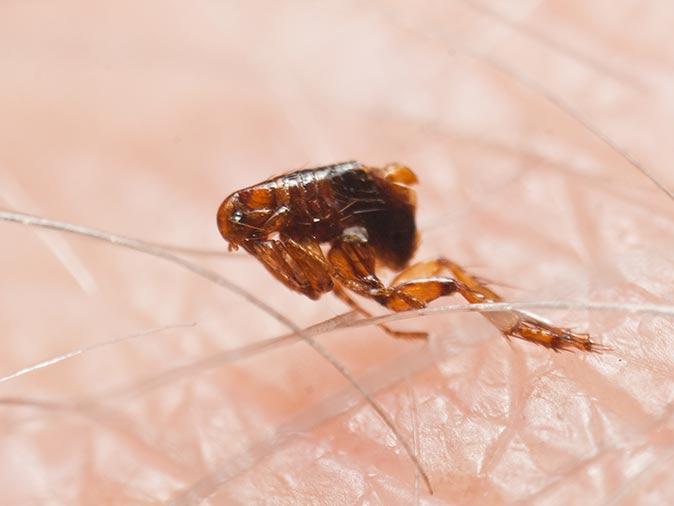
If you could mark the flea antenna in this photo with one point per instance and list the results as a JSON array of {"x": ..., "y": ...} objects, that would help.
[{"x": 214, "y": 277}]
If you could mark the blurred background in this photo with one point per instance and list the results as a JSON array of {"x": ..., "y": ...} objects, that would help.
[{"x": 139, "y": 118}]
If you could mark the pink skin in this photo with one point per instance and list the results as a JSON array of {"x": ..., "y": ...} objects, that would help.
[{"x": 139, "y": 118}]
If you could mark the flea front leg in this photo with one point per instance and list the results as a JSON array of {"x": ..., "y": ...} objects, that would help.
[{"x": 300, "y": 266}]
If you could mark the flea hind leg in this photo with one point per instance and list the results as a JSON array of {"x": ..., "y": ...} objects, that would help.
[
  {"x": 510, "y": 323},
  {"x": 400, "y": 334},
  {"x": 353, "y": 267}
]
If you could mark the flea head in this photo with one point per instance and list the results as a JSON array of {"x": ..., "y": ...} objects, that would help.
[{"x": 231, "y": 222}]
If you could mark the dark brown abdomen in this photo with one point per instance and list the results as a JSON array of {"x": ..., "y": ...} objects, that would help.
[{"x": 326, "y": 200}]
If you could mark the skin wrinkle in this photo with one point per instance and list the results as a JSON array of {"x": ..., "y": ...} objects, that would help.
[
  {"x": 464, "y": 408},
  {"x": 218, "y": 360},
  {"x": 562, "y": 106},
  {"x": 126, "y": 241},
  {"x": 414, "y": 413},
  {"x": 562, "y": 479},
  {"x": 213, "y": 361},
  {"x": 586, "y": 230},
  {"x": 543, "y": 444},
  {"x": 603, "y": 453},
  {"x": 209, "y": 164},
  {"x": 327, "y": 409},
  {"x": 619, "y": 400},
  {"x": 640, "y": 479},
  {"x": 574, "y": 114},
  {"x": 521, "y": 28},
  {"x": 625, "y": 193},
  {"x": 541, "y": 162},
  {"x": 91, "y": 405},
  {"x": 244, "y": 294},
  {"x": 518, "y": 370},
  {"x": 535, "y": 238},
  {"x": 114, "y": 422}
]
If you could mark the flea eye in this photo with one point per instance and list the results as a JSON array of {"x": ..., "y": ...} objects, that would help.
[{"x": 237, "y": 216}]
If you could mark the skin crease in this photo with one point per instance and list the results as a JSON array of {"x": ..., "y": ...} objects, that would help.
[{"x": 141, "y": 118}]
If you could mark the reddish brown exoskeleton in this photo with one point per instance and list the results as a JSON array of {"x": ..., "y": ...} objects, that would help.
[{"x": 366, "y": 216}]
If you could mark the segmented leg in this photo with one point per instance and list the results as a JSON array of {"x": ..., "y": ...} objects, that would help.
[
  {"x": 511, "y": 323},
  {"x": 422, "y": 283},
  {"x": 399, "y": 334},
  {"x": 300, "y": 266},
  {"x": 353, "y": 266}
]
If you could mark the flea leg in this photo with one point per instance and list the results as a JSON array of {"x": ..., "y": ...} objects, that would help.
[
  {"x": 353, "y": 266},
  {"x": 422, "y": 283},
  {"x": 511, "y": 323},
  {"x": 341, "y": 293},
  {"x": 300, "y": 266}
]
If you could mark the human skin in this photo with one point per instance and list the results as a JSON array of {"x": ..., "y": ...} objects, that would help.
[{"x": 140, "y": 118}]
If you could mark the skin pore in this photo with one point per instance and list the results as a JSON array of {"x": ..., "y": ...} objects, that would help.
[{"x": 141, "y": 119}]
